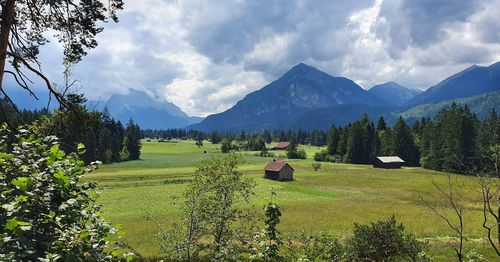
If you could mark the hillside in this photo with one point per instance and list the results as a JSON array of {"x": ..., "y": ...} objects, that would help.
[
  {"x": 393, "y": 94},
  {"x": 475, "y": 80},
  {"x": 301, "y": 90},
  {"x": 480, "y": 105}
]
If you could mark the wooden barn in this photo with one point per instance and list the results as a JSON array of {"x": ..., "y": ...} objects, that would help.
[
  {"x": 279, "y": 170},
  {"x": 282, "y": 145},
  {"x": 388, "y": 162}
]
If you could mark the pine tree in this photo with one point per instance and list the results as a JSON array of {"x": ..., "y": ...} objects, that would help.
[
  {"x": 333, "y": 141},
  {"x": 134, "y": 140},
  {"x": 381, "y": 125},
  {"x": 404, "y": 145}
]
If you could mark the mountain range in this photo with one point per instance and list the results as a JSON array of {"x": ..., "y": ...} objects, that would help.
[
  {"x": 149, "y": 113},
  {"x": 394, "y": 94},
  {"x": 307, "y": 98}
]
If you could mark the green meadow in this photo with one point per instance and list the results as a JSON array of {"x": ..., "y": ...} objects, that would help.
[{"x": 330, "y": 200}]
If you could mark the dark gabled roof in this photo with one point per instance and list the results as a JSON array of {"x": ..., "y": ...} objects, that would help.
[
  {"x": 276, "y": 165},
  {"x": 390, "y": 159},
  {"x": 282, "y": 145}
]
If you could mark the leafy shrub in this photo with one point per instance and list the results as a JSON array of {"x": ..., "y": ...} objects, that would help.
[
  {"x": 316, "y": 166},
  {"x": 383, "y": 241},
  {"x": 315, "y": 247},
  {"x": 267, "y": 243},
  {"x": 225, "y": 146},
  {"x": 321, "y": 155},
  {"x": 46, "y": 214},
  {"x": 298, "y": 154}
]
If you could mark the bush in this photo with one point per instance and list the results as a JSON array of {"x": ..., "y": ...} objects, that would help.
[
  {"x": 318, "y": 247},
  {"x": 225, "y": 146},
  {"x": 383, "y": 241},
  {"x": 46, "y": 214},
  {"x": 320, "y": 156},
  {"x": 316, "y": 166},
  {"x": 299, "y": 154}
]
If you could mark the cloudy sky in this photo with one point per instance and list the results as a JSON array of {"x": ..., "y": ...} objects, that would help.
[{"x": 204, "y": 56}]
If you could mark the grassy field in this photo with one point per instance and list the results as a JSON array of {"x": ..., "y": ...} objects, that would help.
[{"x": 329, "y": 200}]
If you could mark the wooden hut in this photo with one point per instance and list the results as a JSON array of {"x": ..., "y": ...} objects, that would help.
[
  {"x": 282, "y": 146},
  {"x": 279, "y": 170},
  {"x": 388, "y": 162}
]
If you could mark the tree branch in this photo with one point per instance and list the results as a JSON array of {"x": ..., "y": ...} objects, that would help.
[{"x": 58, "y": 96}]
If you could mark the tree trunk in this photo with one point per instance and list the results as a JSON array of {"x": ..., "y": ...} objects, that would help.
[
  {"x": 8, "y": 10},
  {"x": 498, "y": 226}
]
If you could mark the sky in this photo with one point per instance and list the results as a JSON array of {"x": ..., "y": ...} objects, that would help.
[{"x": 204, "y": 56}]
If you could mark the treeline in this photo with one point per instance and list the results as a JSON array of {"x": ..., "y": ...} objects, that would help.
[
  {"x": 361, "y": 142},
  {"x": 104, "y": 138},
  {"x": 455, "y": 140},
  {"x": 303, "y": 137}
]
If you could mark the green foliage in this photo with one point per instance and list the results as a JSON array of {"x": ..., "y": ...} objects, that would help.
[
  {"x": 315, "y": 247},
  {"x": 383, "y": 241},
  {"x": 210, "y": 212},
  {"x": 255, "y": 143},
  {"x": 449, "y": 142},
  {"x": 316, "y": 166},
  {"x": 381, "y": 125},
  {"x": 361, "y": 142},
  {"x": 225, "y": 146},
  {"x": 133, "y": 140},
  {"x": 266, "y": 244},
  {"x": 101, "y": 134},
  {"x": 46, "y": 213},
  {"x": 403, "y": 144},
  {"x": 320, "y": 155},
  {"x": 333, "y": 141},
  {"x": 293, "y": 151},
  {"x": 124, "y": 154},
  {"x": 215, "y": 138},
  {"x": 263, "y": 151}
]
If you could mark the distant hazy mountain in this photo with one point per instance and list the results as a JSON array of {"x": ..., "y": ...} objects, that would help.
[
  {"x": 472, "y": 81},
  {"x": 393, "y": 94},
  {"x": 146, "y": 111},
  {"x": 279, "y": 104}
]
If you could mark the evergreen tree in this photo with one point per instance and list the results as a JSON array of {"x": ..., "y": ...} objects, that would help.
[
  {"x": 267, "y": 136},
  {"x": 452, "y": 145},
  {"x": 293, "y": 149},
  {"x": 381, "y": 125},
  {"x": 215, "y": 138},
  {"x": 134, "y": 140},
  {"x": 333, "y": 141},
  {"x": 105, "y": 143},
  {"x": 199, "y": 140},
  {"x": 355, "y": 147},
  {"x": 404, "y": 145},
  {"x": 386, "y": 142}
]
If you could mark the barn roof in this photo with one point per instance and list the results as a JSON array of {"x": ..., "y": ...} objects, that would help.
[
  {"x": 282, "y": 145},
  {"x": 390, "y": 159},
  {"x": 276, "y": 165}
]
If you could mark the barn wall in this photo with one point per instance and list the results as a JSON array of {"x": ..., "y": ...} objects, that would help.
[
  {"x": 286, "y": 173},
  {"x": 380, "y": 164},
  {"x": 272, "y": 175}
]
